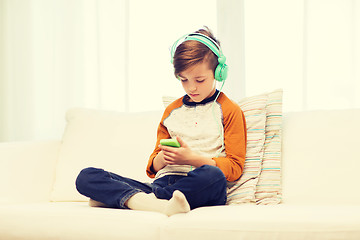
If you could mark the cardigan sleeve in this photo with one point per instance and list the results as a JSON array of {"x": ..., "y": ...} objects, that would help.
[{"x": 235, "y": 139}]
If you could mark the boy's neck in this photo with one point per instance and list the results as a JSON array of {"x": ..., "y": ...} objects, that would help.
[{"x": 186, "y": 100}]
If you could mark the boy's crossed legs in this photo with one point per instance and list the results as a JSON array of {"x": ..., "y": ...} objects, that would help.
[{"x": 205, "y": 186}]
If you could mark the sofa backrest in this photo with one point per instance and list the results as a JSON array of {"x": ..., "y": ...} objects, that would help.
[{"x": 320, "y": 157}]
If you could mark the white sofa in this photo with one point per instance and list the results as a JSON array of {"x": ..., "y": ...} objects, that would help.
[{"x": 320, "y": 184}]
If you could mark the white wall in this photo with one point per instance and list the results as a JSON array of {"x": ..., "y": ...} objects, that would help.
[
  {"x": 307, "y": 47},
  {"x": 231, "y": 34},
  {"x": 154, "y": 27},
  {"x": 58, "y": 55},
  {"x": 114, "y": 55},
  {"x": 332, "y": 49},
  {"x": 1, "y": 69},
  {"x": 104, "y": 54}
]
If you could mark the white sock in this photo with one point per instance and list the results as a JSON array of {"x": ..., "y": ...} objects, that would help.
[
  {"x": 177, "y": 204},
  {"x": 149, "y": 202}
]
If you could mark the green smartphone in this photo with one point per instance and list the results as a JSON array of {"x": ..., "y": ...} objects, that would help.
[{"x": 170, "y": 142}]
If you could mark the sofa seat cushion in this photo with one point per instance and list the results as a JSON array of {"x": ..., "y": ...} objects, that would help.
[
  {"x": 266, "y": 222},
  {"x": 76, "y": 220}
]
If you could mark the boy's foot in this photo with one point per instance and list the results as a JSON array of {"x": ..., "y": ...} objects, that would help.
[{"x": 177, "y": 204}]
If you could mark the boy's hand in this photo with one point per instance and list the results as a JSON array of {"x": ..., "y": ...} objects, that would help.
[{"x": 179, "y": 156}]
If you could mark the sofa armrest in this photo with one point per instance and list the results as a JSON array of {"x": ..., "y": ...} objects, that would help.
[{"x": 27, "y": 170}]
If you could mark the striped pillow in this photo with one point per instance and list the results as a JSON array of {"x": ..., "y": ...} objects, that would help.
[
  {"x": 268, "y": 188},
  {"x": 262, "y": 174},
  {"x": 243, "y": 190}
]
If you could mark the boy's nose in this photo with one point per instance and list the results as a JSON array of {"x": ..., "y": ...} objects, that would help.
[{"x": 192, "y": 88}]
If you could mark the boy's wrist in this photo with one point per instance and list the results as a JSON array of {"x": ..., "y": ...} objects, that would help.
[
  {"x": 158, "y": 162},
  {"x": 199, "y": 161}
]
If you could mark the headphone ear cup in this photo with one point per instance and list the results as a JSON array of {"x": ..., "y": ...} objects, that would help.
[
  {"x": 222, "y": 60},
  {"x": 221, "y": 72}
]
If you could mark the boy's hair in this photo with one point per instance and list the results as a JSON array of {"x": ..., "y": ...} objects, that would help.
[{"x": 192, "y": 52}]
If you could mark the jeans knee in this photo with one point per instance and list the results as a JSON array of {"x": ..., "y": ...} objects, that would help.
[
  {"x": 212, "y": 171},
  {"x": 84, "y": 179},
  {"x": 211, "y": 174},
  {"x": 218, "y": 178},
  {"x": 210, "y": 184}
]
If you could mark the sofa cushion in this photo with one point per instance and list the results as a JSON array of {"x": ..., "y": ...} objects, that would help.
[
  {"x": 252, "y": 222},
  {"x": 116, "y": 142},
  {"x": 70, "y": 221},
  {"x": 320, "y": 160}
]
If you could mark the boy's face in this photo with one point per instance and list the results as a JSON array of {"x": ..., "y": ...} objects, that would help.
[{"x": 198, "y": 82}]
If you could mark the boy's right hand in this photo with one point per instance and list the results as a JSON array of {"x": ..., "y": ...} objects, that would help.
[{"x": 178, "y": 155}]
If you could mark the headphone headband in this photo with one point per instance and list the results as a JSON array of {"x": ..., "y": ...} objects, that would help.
[{"x": 206, "y": 40}]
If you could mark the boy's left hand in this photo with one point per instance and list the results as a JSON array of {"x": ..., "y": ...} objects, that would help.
[{"x": 177, "y": 156}]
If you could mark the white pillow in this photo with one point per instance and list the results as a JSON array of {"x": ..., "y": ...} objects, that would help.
[{"x": 117, "y": 142}]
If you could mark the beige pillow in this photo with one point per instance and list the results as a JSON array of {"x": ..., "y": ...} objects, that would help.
[{"x": 117, "y": 142}]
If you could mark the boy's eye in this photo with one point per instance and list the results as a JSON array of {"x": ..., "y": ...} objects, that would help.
[
  {"x": 183, "y": 80},
  {"x": 200, "y": 81}
]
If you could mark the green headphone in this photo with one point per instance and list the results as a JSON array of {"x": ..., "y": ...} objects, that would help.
[{"x": 221, "y": 70}]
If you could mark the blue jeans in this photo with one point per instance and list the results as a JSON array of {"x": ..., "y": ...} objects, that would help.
[{"x": 204, "y": 186}]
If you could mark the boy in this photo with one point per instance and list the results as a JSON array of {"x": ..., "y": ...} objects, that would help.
[{"x": 210, "y": 128}]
